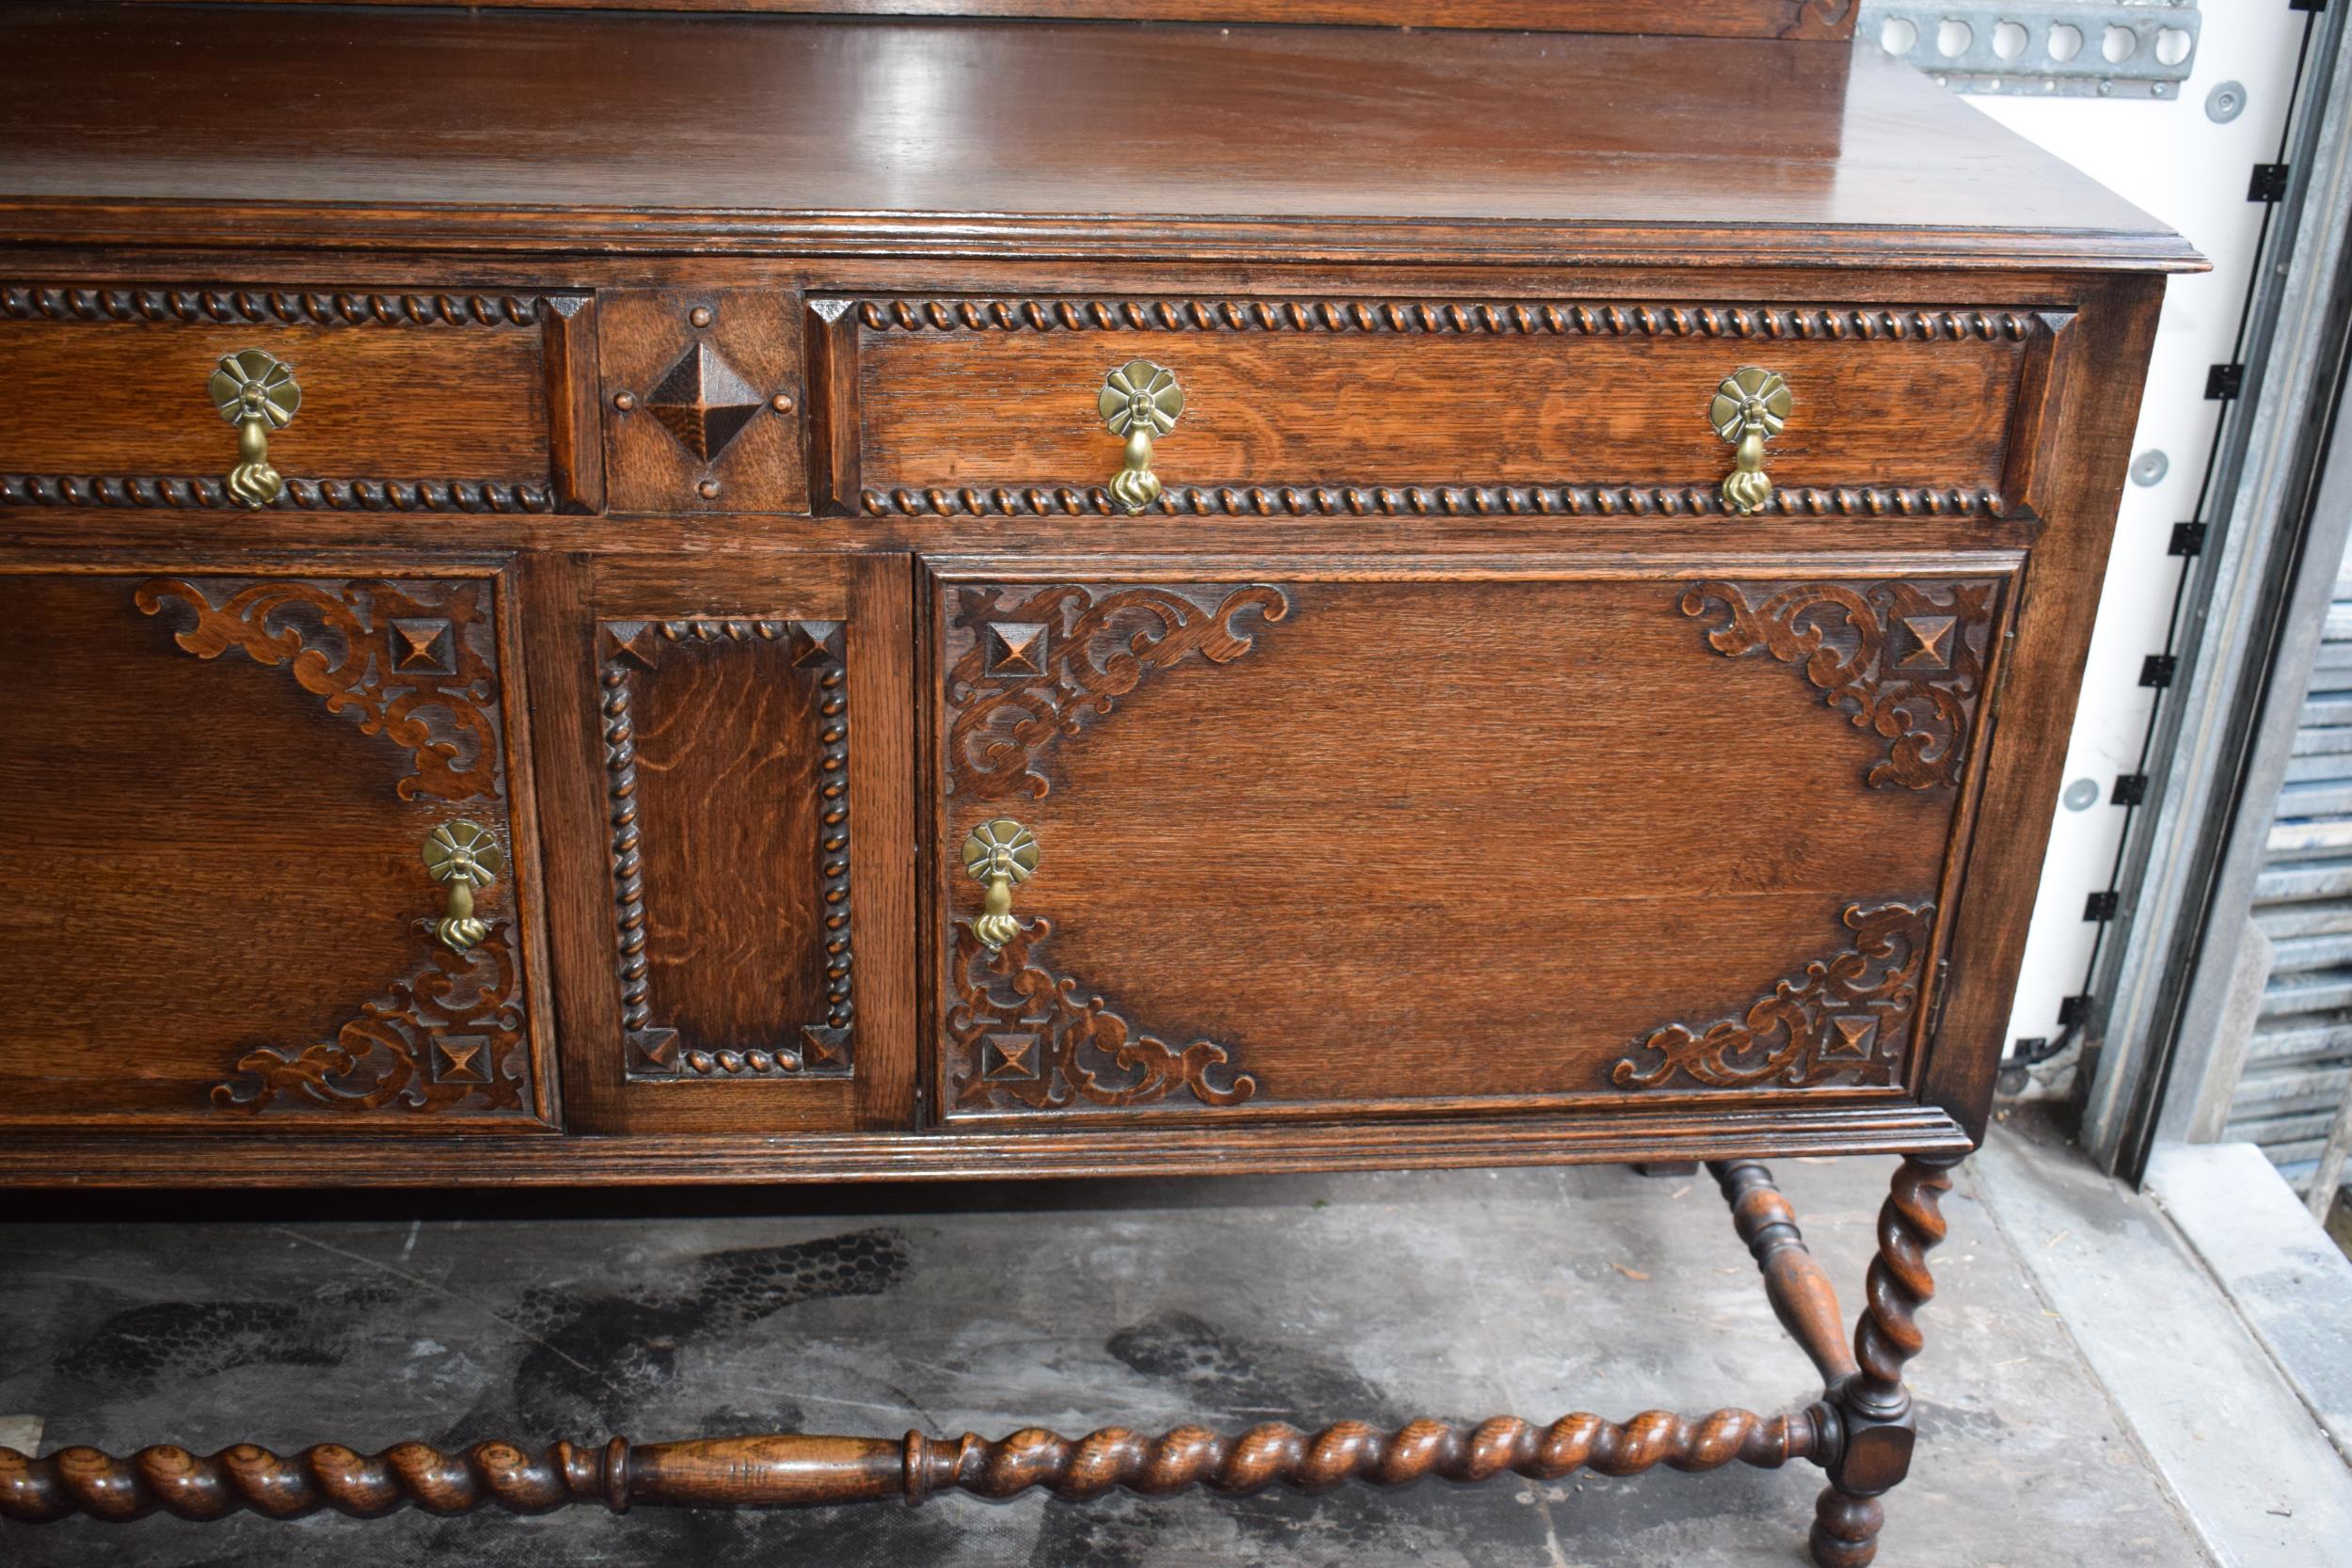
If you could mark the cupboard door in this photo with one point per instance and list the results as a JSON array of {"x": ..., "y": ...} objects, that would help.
[
  {"x": 1301, "y": 840},
  {"x": 741, "y": 844},
  {"x": 270, "y": 861}
]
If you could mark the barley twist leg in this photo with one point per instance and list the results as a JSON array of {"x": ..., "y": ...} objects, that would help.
[{"x": 1872, "y": 1408}]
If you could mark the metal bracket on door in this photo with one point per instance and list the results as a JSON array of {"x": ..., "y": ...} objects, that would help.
[{"x": 2119, "y": 49}]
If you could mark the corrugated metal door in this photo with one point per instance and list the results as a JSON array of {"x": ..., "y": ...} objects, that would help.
[{"x": 2299, "y": 1064}]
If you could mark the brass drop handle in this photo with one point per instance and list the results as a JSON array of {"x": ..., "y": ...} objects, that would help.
[
  {"x": 257, "y": 392},
  {"x": 1748, "y": 410},
  {"x": 1002, "y": 854},
  {"x": 465, "y": 855},
  {"x": 1139, "y": 399}
]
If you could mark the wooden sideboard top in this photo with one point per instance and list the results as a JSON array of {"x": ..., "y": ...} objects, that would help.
[
  {"x": 535, "y": 129},
  {"x": 1772, "y": 19}
]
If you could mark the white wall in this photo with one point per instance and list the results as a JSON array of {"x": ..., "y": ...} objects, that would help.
[{"x": 2171, "y": 159}]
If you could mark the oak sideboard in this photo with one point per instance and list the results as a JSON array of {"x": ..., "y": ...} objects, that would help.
[{"x": 670, "y": 598}]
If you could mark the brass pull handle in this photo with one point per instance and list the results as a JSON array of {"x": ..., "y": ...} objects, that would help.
[
  {"x": 1139, "y": 399},
  {"x": 465, "y": 855},
  {"x": 257, "y": 392},
  {"x": 1748, "y": 410},
  {"x": 1002, "y": 854}
]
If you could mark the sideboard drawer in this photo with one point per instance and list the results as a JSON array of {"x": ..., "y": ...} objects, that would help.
[
  {"x": 268, "y": 858},
  {"x": 978, "y": 406},
  {"x": 371, "y": 402},
  {"x": 1537, "y": 834}
]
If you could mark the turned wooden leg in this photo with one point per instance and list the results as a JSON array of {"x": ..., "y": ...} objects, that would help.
[
  {"x": 1870, "y": 1411},
  {"x": 1794, "y": 1281}
]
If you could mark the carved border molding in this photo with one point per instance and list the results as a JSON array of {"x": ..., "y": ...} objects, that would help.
[
  {"x": 265, "y": 308},
  {"x": 653, "y": 1053},
  {"x": 1029, "y": 670},
  {"x": 449, "y": 1036},
  {"x": 411, "y": 660},
  {"x": 1904, "y": 658},
  {"x": 1843, "y": 1021},
  {"x": 1743, "y": 322},
  {"x": 300, "y": 495},
  {"x": 1026, "y": 1038},
  {"x": 1438, "y": 500}
]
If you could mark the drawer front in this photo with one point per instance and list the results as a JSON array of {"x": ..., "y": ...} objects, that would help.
[
  {"x": 743, "y": 796},
  {"x": 268, "y": 864},
  {"x": 115, "y": 397},
  {"x": 1419, "y": 406},
  {"x": 1548, "y": 834}
]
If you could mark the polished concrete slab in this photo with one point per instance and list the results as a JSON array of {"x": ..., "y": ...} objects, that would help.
[{"x": 1148, "y": 1304}]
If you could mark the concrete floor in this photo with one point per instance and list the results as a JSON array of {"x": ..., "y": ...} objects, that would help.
[{"x": 1382, "y": 1298}]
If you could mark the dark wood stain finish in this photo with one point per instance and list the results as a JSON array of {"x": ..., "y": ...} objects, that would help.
[
  {"x": 1773, "y": 19},
  {"x": 1275, "y": 811},
  {"x": 699, "y": 485},
  {"x": 220, "y": 786},
  {"x": 1406, "y": 393}
]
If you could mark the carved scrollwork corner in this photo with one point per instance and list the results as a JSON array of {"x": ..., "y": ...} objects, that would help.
[
  {"x": 1846, "y": 1019},
  {"x": 448, "y": 1036},
  {"x": 1030, "y": 665},
  {"x": 1024, "y": 1038},
  {"x": 1904, "y": 659},
  {"x": 411, "y": 660}
]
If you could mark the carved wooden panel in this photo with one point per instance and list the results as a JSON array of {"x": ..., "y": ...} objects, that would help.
[
  {"x": 702, "y": 400},
  {"x": 220, "y": 786},
  {"x": 1313, "y": 836},
  {"x": 410, "y": 403},
  {"x": 1905, "y": 660},
  {"x": 726, "y": 754},
  {"x": 1398, "y": 407}
]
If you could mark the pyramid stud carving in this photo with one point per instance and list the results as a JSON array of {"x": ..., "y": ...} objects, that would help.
[
  {"x": 1931, "y": 639},
  {"x": 1003, "y": 1057},
  {"x": 703, "y": 402},
  {"x": 816, "y": 642},
  {"x": 1016, "y": 648},
  {"x": 1852, "y": 1038},
  {"x": 655, "y": 1050},
  {"x": 424, "y": 645},
  {"x": 461, "y": 1059},
  {"x": 824, "y": 1045}
]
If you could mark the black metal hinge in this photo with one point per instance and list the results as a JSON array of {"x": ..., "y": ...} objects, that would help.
[
  {"x": 2225, "y": 380},
  {"x": 2156, "y": 669},
  {"x": 2188, "y": 539},
  {"x": 2075, "y": 1011},
  {"x": 2269, "y": 183},
  {"x": 2101, "y": 906},
  {"x": 2307, "y": 5},
  {"x": 2130, "y": 789}
]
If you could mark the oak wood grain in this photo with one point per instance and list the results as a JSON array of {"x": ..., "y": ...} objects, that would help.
[
  {"x": 494, "y": 129},
  {"x": 959, "y": 407},
  {"x": 383, "y": 402},
  {"x": 986, "y": 1152},
  {"x": 1813, "y": 19},
  {"x": 1285, "y": 846},
  {"x": 224, "y": 872}
]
